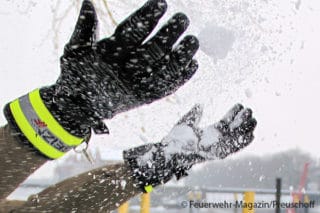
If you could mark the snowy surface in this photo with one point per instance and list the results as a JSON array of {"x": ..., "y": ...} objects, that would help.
[{"x": 262, "y": 53}]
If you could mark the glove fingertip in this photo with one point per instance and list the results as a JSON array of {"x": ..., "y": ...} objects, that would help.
[
  {"x": 232, "y": 113},
  {"x": 238, "y": 107},
  {"x": 161, "y": 5},
  {"x": 138, "y": 26},
  {"x": 182, "y": 19},
  {"x": 87, "y": 3},
  {"x": 193, "y": 117},
  {"x": 192, "y": 40},
  {"x": 100, "y": 128},
  {"x": 254, "y": 121},
  {"x": 198, "y": 108}
]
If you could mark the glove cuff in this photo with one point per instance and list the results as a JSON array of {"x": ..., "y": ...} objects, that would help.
[
  {"x": 70, "y": 113},
  {"x": 152, "y": 165},
  {"x": 147, "y": 162},
  {"x": 32, "y": 118}
]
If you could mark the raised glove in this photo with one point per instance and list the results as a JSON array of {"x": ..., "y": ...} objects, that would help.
[
  {"x": 186, "y": 145},
  {"x": 102, "y": 78}
]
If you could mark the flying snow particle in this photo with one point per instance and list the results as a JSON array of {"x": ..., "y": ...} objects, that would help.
[
  {"x": 297, "y": 4},
  {"x": 261, "y": 178},
  {"x": 216, "y": 41},
  {"x": 248, "y": 93},
  {"x": 123, "y": 184}
]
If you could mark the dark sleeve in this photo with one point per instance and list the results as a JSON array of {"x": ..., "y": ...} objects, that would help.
[
  {"x": 18, "y": 160},
  {"x": 100, "y": 190}
]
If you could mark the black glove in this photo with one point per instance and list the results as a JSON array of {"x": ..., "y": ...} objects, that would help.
[
  {"x": 102, "y": 78},
  {"x": 186, "y": 145}
]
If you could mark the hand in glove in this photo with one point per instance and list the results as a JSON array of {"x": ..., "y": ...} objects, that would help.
[
  {"x": 102, "y": 78},
  {"x": 186, "y": 145}
]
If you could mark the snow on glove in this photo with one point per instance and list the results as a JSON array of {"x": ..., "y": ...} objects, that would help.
[
  {"x": 186, "y": 145},
  {"x": 102, "y": 78}
]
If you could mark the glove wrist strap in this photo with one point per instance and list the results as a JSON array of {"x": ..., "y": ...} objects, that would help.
[
  {"x": 39, "y": 126},
  {"x": 148, "y": 189}
]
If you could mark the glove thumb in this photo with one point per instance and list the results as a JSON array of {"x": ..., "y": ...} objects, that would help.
[
  {"x": 184, "y": 136},
  {"x": 85, "y": 29}
]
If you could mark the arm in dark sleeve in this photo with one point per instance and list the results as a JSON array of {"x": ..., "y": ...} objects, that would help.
[
  {"x": 100, "y": 190},
  {"x": 17, "y": 160},
  {"x": 104, "y": 188}
]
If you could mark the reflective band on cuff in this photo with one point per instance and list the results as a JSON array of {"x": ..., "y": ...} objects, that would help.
[
  {"x": 40, "y": 127},
  {"x": 148, "y": 189},
  {"x": 53, "y": 125}
]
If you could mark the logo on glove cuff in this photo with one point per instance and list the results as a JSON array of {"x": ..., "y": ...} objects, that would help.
[{"x": 39, "y": 123}]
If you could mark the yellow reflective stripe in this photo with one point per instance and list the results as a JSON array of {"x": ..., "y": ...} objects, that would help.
[
  {"x": 51, "y": 122},
  {"x": 30, "y": 134},
  {"x": 148, "y": 189}
]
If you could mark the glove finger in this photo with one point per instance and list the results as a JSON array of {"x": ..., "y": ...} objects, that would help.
[
  {"x": 214, "y": 144},
  {"x": 242, "y": 142},
  {"x": 166, "y": 83},
  {"x": 247, "y": 127},
  {"x": 241, "y": 118},
  {"x": 161, "y": 44},
  {"x": 186, "y": 74},
  {"x": 85, "y": 29},
  {"x": 193, "y": 117},
  {"x": 189, "y": 71},
  {"x": 184, "y": 52},
  {"x": 181, "y": 63},
  {"x": 248, "y": 138},
  {"x": 99, "y": 128},
  {"x": 137, "y": 27},
  {"x": 231, "y": 114}
]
